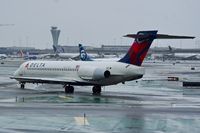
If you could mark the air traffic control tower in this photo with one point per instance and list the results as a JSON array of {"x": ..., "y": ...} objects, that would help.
[{"x": 55, "y": 34}]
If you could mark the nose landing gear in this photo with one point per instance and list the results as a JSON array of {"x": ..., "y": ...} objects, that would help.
[{"x": 22, "y": 85}]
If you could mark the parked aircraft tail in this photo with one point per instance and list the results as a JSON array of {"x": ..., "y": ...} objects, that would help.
[
  {"x": 83, "y": 54},
  {"x": 142, "y": 43}
]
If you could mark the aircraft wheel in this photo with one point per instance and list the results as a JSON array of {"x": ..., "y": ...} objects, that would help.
[
  {"x": 96, "y": 90},
  {"x": 22, "y": 85},
  {"x": 69, "y": 89}
]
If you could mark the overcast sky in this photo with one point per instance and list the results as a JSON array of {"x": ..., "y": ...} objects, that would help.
[{"x": 96, "y": 22}]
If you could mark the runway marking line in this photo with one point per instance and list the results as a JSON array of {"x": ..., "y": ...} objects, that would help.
[
  {"x": 81, "y": 121},
  {"x": 64, "y": 97}
]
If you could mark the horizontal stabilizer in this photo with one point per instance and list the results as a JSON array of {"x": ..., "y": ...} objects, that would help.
[
  {"x": 163, "y": 36},
  {"x": 159, "y": 36}
]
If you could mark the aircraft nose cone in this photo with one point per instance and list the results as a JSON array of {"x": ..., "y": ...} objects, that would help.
[{"x": 16, "y": 73}]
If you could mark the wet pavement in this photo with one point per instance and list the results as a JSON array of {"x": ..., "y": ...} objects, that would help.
[{"x": 152, "y": 104}]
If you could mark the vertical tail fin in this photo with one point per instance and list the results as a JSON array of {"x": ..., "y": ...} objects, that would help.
[
  {"x": 83, "y": 54},
  {"x": 139, "y": 48},
  {"x": 142, "y": 43}
]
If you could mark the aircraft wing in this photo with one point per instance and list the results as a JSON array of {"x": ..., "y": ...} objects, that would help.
[
  {"x": 42, "y": 80},
  {"x": 50, "y": 80}
]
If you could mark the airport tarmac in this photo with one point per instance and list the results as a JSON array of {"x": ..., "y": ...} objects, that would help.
[{"x": 152, "y": 104}]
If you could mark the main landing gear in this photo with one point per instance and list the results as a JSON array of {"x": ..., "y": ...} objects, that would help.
[
  {"x": 22, "y": 85},
  {"x": 96, "y": 90},
  {"x": 69, "y": 89}
]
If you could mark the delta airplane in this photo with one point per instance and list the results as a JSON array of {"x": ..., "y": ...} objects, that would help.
[{"x": 92, "y": 73}]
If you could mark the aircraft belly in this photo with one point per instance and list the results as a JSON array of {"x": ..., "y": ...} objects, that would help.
[
  {"x": 107, "y": 81},
  {"x": 116, "y": 79}
]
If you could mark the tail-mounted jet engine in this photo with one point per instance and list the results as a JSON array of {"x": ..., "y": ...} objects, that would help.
[{"x": 93, "y": 73}]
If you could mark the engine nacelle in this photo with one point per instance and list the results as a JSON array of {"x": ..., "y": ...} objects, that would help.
[{"x": 93, "y": 73}]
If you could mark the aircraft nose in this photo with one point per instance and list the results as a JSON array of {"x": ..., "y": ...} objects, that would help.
[{"x": 16, "y": 73}]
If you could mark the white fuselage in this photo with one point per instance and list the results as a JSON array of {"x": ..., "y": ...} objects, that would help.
[{"x": 77, "y": 72}]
